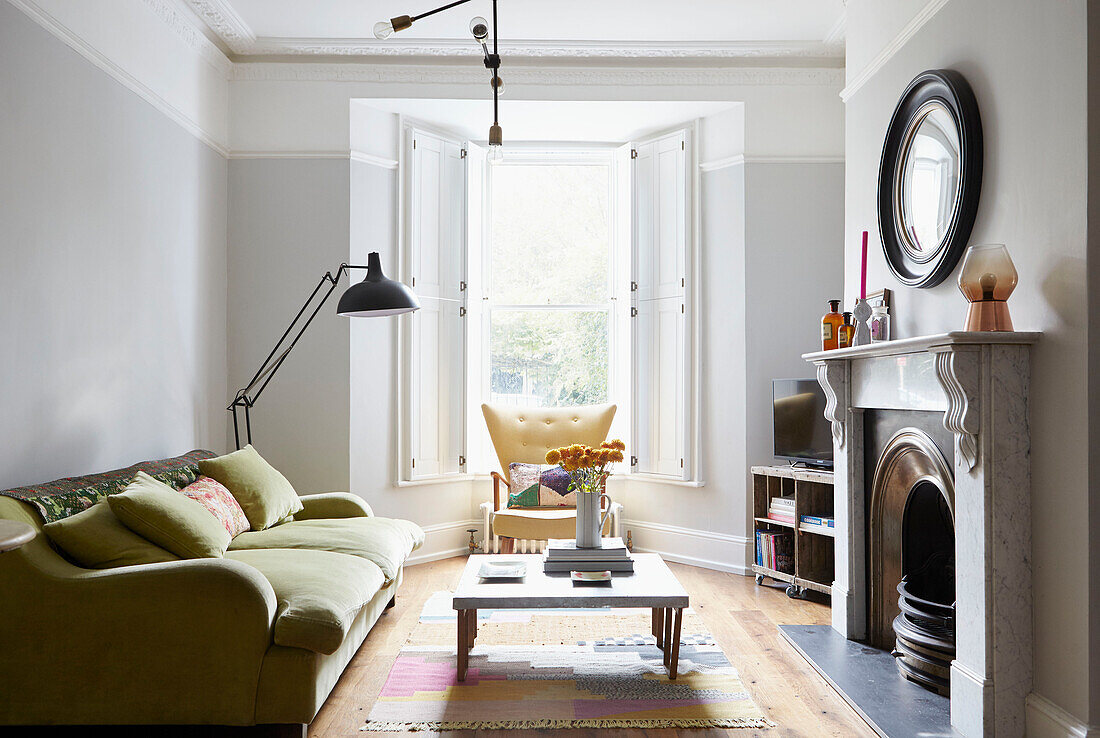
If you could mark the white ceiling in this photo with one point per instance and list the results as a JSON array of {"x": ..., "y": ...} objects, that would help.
[
  {"x": 607, "y": 20},
  {"x": 540, "y": 120},
  {"x": 602, "y": 27}
]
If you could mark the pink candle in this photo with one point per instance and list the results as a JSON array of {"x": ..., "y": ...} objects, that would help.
[{"x": 863, "y": 270}]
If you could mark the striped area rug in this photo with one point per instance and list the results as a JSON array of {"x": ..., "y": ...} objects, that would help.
[{"x": 562, "y": 668}]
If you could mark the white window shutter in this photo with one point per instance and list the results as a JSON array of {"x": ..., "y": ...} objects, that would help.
[
  {"x": 660, "y": 307},
  {"x": 436, "y": 259}
]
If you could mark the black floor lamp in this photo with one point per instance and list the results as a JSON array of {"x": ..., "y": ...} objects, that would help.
[{"x": 375, "y": 296}]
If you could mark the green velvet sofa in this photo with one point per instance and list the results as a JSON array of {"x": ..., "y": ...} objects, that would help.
[{"x": 218, "y": 641}]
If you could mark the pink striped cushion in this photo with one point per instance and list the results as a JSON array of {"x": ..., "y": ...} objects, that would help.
[{"x": 212, "y": 495}]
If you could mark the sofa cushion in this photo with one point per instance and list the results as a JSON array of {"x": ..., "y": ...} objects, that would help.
[
  {"x": 319, "y": 593},
  {"x": 212, "y": 494},
  {"x": 265, "y": 495},
  {"x": 169, "y": 519},
  {"x": 97, "y": 539},
  {"x": 385, "y": 541}
]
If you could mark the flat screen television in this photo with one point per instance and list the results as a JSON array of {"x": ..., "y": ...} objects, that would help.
[{"x": 800, "y": 431}]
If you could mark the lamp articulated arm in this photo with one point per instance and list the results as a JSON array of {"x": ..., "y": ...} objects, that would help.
[{"x": 375, "y": 295}]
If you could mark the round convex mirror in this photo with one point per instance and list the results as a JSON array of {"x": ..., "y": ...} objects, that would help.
[{"x": 930, "y": 178}]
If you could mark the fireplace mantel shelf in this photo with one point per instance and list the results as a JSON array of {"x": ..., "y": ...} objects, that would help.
[{"x": 918, "y": 344}]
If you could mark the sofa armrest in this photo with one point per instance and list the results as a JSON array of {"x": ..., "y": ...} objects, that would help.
[
  {"x": 156, "y": 643},
  {"x": 333, "y": 505}
]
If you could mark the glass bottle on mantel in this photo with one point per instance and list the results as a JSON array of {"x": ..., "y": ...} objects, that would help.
[
  {"x": 830, "y": 326},
  {"x": 846, "y": 332}
]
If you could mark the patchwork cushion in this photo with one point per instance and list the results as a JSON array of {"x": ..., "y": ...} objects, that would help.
[
  {"x": 535, "y": 485},
  {"x": 265, "y": 495},
  {"x": 213, "y": 495},
  {"x": 96, "y": 539},
  {"x": 385, "y": 541},
  {"x": 319, "y": 593},
  {"x": 64, "y": 497},
  {"x": 162, "y": 515}
]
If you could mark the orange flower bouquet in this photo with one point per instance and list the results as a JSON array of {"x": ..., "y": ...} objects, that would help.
[{"x": 587, "y": 466}]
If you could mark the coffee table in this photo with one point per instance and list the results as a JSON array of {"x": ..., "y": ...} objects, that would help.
[{"x": 651, "y": 585}]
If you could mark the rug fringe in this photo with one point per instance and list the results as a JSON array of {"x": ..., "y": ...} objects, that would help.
[{"x": 438, "y": 725}]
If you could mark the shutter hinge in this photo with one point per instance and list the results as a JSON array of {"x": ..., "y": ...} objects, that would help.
[
  {"x": 633, "y": 153},
  {"x": 633, "y": 460},
  {"x": 633, "y": 286},
  {"x": 461, "y": 286},
  {"x": 414, "y": 143},
  {"x": 681, "y": 463},
  {"x": 681, "y": 308},
  {"x": 462, "y": 461},
  {"x": 682, "y": 281},
  {"x": 462, "y": 312},
  {"x": 682, "y": 146},
  {"x": 633, "y": 312},
  {"x": 414, "y": 463},
  {"x": 462, "y": 154}
]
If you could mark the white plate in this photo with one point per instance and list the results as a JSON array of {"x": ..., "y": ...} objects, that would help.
[
  {"x": 590, "y": 576},
  {"x": 503, "y": 570}
]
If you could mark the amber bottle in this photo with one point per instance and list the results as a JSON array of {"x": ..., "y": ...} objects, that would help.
[
  {"x": 846, "y": 332},
  {"x": 830, "y": 326}
]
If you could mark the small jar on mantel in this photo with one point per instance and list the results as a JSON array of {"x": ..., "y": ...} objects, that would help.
[
  {"x": 880, "y": 324},
  {"x": 830, "y": 326}
]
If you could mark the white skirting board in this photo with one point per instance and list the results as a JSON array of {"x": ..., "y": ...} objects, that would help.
[
  {"x": 718, "y": 551},
  {"x": 1046, "y": 720},
  {"x": 444, "y": 540}
]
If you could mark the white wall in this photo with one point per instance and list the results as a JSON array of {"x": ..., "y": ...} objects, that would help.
[
  {"x": 1027, "y": 64},
  {"x": 112, "y": 293},
  {"x": 288, "y": 225}
]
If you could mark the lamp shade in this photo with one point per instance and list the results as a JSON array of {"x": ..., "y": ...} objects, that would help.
[{"x": 376, "y": 295}]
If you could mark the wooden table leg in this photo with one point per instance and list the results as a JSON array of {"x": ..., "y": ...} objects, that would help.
[
  {"x": 674, "y": 652},
  {"x": 463, "y": 651},
  {"x": 668, "y": 635},
  {"x": 473, "y": 627},
  {"x": 659, "y": 626}
]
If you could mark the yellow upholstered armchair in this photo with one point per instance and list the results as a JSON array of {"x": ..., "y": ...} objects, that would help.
[{"x": 524, "y": 435}]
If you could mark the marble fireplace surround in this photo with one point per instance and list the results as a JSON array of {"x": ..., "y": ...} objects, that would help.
[{"x": 980, "y": 382}]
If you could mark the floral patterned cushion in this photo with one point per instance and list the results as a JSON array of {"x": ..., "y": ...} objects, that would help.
[
  {"x": 213, "y": 495},
  {"x": 533, "y": 485}
]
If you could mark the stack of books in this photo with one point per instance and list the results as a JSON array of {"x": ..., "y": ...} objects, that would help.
[
  {"x": 562, "y": 555},
  {"x": 782, "y": 509},
  {"x": 815, "y": 522},
  {"x": 775, "y": 550}
]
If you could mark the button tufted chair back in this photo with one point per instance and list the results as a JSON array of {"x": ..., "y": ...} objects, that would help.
[{"x": 524, "y": 434}]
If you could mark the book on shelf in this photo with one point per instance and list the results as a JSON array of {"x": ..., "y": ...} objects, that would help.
[
  {"x": 781, "y": 517},
  {"x": 816, "y": 520},
  {"x": 775, "y": 550},
  {"x": 782, "y": 503}
]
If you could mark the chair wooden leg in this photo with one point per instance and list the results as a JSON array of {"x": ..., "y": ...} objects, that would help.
[{"x": 507, "y": 545}]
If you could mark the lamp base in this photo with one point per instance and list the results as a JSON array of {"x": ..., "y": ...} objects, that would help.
[{"x": 988, "y": 315}]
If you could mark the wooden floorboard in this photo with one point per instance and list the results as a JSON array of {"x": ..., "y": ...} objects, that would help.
[{"x": 741, "y": 615}]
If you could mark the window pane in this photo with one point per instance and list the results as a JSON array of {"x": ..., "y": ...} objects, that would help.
[
  {"x": 550, "y": 234},
  {"x": 548, "y": 358}
]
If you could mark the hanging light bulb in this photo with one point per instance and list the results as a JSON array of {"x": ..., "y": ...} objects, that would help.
[
  {"x": 480, "y": 28},
  {"x": 497, "y": 83},
  {"x": 383, "y": 29},
  {"x": 496, "y": 145}
]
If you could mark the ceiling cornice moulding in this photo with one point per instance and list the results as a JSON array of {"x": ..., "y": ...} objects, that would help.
[
  {"x": 167, "y": 11},
  {"x": 540, "y": 49},
  {"x": 222, "y": 19},
  {"x": 544, "y": 76}
]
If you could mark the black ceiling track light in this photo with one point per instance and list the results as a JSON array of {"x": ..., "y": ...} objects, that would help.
[{"x": 479, "y": 27}]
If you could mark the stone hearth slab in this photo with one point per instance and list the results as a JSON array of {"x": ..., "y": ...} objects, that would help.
[{"x": 868, "y": 680}]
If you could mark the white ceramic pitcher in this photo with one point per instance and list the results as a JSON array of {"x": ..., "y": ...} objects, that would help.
[{"x": 589, "y": 522}]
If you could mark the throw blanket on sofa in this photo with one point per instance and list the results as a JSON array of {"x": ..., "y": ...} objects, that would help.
[{"x": 64, "y": 497}]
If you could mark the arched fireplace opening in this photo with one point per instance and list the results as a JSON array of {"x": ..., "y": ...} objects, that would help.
[{"x": 912, "y": 558}]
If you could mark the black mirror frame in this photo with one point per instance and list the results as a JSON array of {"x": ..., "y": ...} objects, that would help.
[{"x": 951, "y": 89}]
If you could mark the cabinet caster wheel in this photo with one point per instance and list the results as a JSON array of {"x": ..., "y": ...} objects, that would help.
[
  {"x": 795, "y": 593},
  {"x": 759, "y": 578}
]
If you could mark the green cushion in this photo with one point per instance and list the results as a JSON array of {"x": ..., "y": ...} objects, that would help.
[
  {"x": 385, "y": 541},
  {"x": 264, "y": 494},
  {"x": 169, "y": 519},
  {"x": 319, "y": 593},
  {"x": 96, "y": 539}
]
